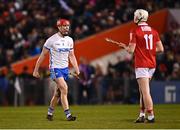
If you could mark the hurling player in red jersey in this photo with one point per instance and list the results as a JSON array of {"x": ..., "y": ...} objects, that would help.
[{"x": 144, "y": 43}]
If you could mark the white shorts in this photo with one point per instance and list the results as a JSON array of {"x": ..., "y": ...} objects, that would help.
[{"x": 144, "y": 72}]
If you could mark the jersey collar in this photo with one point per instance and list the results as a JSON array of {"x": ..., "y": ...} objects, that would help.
[{"x": 143, "y": 23}]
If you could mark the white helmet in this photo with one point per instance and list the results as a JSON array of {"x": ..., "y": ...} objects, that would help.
[{"x": 140, "y": 15}]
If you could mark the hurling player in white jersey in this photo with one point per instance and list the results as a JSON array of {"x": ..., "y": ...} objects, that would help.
[{"x": 60, "y": 48}]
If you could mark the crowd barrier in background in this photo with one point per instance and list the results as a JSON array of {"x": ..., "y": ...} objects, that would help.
[
  {"x": 165, "y": 92},
  {"x": 119, "y": 91}
]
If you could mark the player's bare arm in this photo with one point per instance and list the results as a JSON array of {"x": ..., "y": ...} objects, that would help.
[
  {"x": 159, "y": 47},
  {"x": 74, "y": 62},
  {"x": 39, "y": 61},
  {"x": 130, "y": 48}
]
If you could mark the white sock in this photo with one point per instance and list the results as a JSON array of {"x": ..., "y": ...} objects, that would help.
[
  {"x": 141, "y": 114},
  {"x": 49, "y": 113},
  {"x": 150, "y": 117}
]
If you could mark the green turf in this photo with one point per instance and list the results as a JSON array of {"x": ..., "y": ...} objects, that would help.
[{"x": 102, "y": 116}]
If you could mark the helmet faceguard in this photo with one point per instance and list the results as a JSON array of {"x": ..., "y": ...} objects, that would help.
[
  {"x": 63, "y": 26},
  {"x": 140, "y": 15}
]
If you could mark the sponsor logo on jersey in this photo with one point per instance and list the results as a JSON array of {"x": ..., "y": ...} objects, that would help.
[{"x": 63, "y": 49}]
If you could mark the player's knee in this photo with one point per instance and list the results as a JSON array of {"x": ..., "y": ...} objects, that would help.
[{"x": 64, "y": 90}]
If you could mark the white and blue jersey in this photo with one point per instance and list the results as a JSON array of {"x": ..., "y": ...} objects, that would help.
[{"x": 59, "y": 48}]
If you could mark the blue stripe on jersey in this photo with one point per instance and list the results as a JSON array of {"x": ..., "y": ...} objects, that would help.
[
  {"x": 46, "y": 47},
  {"x": 50, "y": 58}
]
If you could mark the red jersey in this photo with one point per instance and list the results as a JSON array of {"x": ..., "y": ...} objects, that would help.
[{"x": 145, "y": 39}]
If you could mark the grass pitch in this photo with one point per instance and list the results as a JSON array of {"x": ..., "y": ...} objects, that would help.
[{"x": 88, "y": 117}]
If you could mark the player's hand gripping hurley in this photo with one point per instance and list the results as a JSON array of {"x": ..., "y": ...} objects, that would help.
[{"x": 75, "y": 75}]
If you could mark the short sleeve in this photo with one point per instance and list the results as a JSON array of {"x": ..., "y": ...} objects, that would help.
[
  {"x": 47, "y": 44},
  {"x": 157, "y": 37},
  {"x": 71, "y": 44},
  {"x": 132, "y": 36}
]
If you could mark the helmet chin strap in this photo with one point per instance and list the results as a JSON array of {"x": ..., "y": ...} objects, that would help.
[{"x": 139, "y": 20}]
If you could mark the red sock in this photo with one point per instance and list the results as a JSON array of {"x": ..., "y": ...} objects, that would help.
[
  {"x": 142, "y": 110},
  {"x": 150, "y": 112}
]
